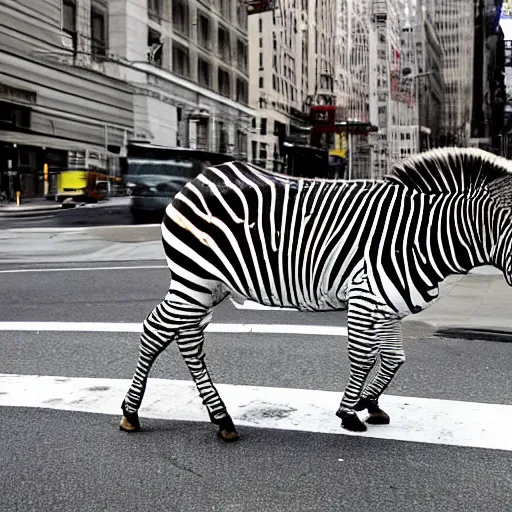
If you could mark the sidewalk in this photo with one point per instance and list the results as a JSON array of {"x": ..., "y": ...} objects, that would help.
[
  {"x": 39, "y": 206},
  {"x": 476, "y": 305},
  {"x": 28, "y": 206}
]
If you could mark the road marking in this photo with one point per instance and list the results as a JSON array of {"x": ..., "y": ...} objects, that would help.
[
  {"x": 249, "y": 304},
  {"x": 313, "y": 330},
  {"x": 422, "y": 420},
  {"x": 21, "y": 270}
]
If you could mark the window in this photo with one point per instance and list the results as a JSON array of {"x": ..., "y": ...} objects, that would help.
[
  {"x": 261, "y": 60},
  {"x": 154, "y": 48},
  {"x": 263, "y": 126},
  {"x": 241, "y": 142},
  {"x": 223, "y": 137},
  {"x": 203, "y": 72},
  {"x": 154, "y": 8},
  {"x": 260, "y": 25},
  {"x": 180, "y": 60},
  {"x": 224, "y": 85},
  {"x": 242, "y": 91},
  {"x": 260, "y": 82},
  {"x": 254, "y": 148},
  {"x": 204, "y": 31},
  {"x": 99, "y": 46},
  {"x": 69, "y": 19},
  {"x": 69, "y": 16},
  {"x": 225, "y": 8},
  {"x": 241, "y": 55},
  {"x": 180, "y": 17},
  {"x": 261, "y": 42},
  {"x": 224, "y": 44},
  {"x": 263, "y": 151},
  {"x": 241, "y": 14}
]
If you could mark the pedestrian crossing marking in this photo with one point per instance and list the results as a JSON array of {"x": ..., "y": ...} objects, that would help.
[{"x": 422, "y": 420}]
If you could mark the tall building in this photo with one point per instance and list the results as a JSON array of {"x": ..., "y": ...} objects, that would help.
[
  {"x": 427, "y": 74},
  {"x": 352, "y": 84},
  {"x": 291, "y": 68},
  {"x": 392, "y": 82},
  {"x": 454, "y": 21},
  {"x": 79, "y": 78},
  {"x": 489, "y": 95}
]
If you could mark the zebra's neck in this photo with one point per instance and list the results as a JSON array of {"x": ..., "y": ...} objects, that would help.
[{"x": 458, "y": 235}]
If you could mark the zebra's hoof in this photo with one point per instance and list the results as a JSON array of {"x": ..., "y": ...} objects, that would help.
[
  {"x": 228, "y": 436},
  {"x": 378, "y": 418},
  {"x": 376, "y": 415},
  {"x": 130, "y": 420},
  {"x": 350, "y": 420},
  {"x": 126, "y": 426},
  {"x": 227, "y": 431}
]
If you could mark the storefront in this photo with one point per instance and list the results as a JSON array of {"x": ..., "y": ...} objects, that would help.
[{"x": 57, "y": 115}]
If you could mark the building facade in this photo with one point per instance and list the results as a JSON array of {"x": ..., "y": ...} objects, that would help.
[
  {"x": 489, "y": 95},
  {"x": 80, "y": 78},
  {"x": 291, "y": 68},
  {"x": 454, "y": 22},
  {"x": 52, "y": 112}
]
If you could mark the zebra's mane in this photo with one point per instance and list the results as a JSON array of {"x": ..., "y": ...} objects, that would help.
[{"x": 452, "y": 170}]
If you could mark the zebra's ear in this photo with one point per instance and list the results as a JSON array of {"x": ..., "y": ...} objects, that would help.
[{"x": 500, "y": 190}]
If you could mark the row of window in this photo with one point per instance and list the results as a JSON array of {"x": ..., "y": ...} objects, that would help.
[
  {"x": 223, "y": 7},
  {"x": 97, "y": 26},
  {"x": 205, "y": 36}
]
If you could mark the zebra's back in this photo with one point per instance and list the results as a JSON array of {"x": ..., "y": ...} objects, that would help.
[{"x": 281, "y": 241}]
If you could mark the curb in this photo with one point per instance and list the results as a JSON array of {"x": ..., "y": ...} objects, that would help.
[
  {"x": 15, "y": 214},
  {"x": 475, "y": 334}
]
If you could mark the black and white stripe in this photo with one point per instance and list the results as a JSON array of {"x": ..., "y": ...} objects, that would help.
[{"x": 377, "y": 248}]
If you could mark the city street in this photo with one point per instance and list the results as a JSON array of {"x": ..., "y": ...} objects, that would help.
[{"x": 446, "y": 449}]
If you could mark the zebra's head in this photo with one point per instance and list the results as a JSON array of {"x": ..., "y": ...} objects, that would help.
[
  {"x": 500, "y": 191},
  {"x": 483, "y": 178}
]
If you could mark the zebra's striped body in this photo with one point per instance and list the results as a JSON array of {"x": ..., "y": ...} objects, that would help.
[{"x": 378, "y": 248}]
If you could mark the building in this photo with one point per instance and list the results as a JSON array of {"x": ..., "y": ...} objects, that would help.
[
  {"x": 428, "y": 73},
  {"x": 291, "y": 68},
  {"x": 393, "y": 105},
  {"x": 489, "y": 96},
  {"x": 454, "y": 22},
  {"x": 79, "y": 78},
  {"x": 52, "y": 112},
  {"x": 352, "y": 84},
  {"x": 506, "y": 25}
]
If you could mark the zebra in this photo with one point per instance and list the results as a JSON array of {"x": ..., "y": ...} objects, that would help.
[{"x": 376, "y": 248}]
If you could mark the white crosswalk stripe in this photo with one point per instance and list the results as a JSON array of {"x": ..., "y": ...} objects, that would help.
[{"x": 413, "y": 419}]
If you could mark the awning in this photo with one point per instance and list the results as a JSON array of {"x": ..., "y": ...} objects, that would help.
[{"x": 30, "y": 139}]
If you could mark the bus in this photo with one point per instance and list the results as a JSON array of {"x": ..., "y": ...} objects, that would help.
[{"x": 153, "y": 175}]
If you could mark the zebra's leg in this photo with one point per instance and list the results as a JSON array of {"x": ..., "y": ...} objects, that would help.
[
  {"x": 392, "y": 357},
  {"x": 159, "y": 329},
  {"x": 190, "y": 342},
  {"x": 362, "y": 350}
]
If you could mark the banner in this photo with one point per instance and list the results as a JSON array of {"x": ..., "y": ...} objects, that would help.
[{"x": 259, "y": 6}]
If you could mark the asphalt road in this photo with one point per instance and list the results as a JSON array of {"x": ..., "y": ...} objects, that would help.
[{"x": 54, "y": 460}]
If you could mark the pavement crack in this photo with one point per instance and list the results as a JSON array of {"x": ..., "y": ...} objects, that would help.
[{"x": 184, "y": 468}]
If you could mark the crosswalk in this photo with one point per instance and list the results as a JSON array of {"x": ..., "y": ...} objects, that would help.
[{"x": 425, "y": 420}]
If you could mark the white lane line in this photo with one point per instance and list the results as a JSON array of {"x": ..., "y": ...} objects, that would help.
[
  {"x": 420, "y": 420},
  {"x": 79, "y": 269},
  {"x": 318, "y": 330},
  {"x": 249, "y": 304}
]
